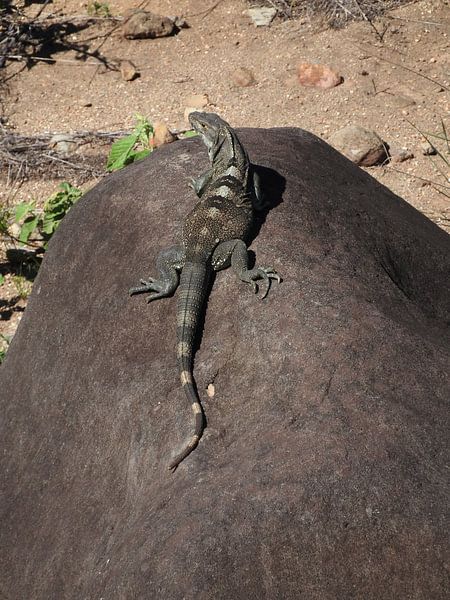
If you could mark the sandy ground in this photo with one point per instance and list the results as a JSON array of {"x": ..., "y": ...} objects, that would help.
[{"x": 389, "y": 85}]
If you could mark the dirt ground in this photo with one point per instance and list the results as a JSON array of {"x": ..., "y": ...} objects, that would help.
[{"x": 389, "y": 85}]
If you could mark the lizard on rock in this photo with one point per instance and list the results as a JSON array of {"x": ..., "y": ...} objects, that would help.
[{"x": 213, "y": 237}]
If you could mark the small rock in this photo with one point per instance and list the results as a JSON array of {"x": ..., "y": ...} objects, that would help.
[
  {"x": 197, "y": 101},
  {"x": 321, "y": 76},
  {"x": 144, "y": 24},
  {"x": 161, "y": 135},
  {"x": 399, "y": 155},
  {"x": 361, "y": 146},
  {"x": 243, "y": 77},
  {"x": 180, "y": 22},
  {"x": 262, "y": 16},
  {"x": 128, "y": 70},
  {"x": 63, "y": 143},
  {"x": 428, "y": 149},
  {"x": 210, "y": 390}
]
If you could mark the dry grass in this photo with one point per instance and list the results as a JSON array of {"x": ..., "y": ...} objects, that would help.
[{"x": 336, "y": 13}]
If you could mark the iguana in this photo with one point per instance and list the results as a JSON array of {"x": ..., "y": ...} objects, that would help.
[{"x": 213, "y": 237}]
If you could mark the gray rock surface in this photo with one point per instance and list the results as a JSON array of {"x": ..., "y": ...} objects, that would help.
[
  {"x": 262, "y": 16},
  {"x": 321, "y": 474},
  {"x": 361, "y": 146}
]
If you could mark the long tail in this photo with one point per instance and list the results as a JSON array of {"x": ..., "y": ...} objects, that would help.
[{"x": 192, "y": 291}]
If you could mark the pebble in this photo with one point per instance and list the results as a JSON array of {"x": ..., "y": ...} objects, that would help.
[
  {"x": 242, "y": 77},
  {"x": 399, "y": 155},
  {"x": 128, "y": 70},
  {"x": 428, "y": 149},
  {"x": 141, "y": 24},
  {"x": 262, "y": 16},
  {"x": 361, "y": 146},
  {"x": 161, "y": 135},
  {"x": 317, "y": 75}
]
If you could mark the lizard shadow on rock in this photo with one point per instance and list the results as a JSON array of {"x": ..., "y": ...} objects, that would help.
[{"x": 272, "y": 185}]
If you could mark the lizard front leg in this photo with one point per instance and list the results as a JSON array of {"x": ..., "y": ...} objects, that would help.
[
  {"x": 169, "y": 262},
  {"x": 236, "y": 253},
  {"x": 199, "y": 184}
]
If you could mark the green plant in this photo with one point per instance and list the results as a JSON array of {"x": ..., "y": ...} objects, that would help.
[
  {"x": 190, "y": 133},
  {"x": 133, "y": 147},
  {"x": 39, "y": 225},
  {"x": 23, "y": 287},
  {"x": 98, "y": 9},
  {"x": 4, "y": 343},
  {"x": 5, "y": 216}
]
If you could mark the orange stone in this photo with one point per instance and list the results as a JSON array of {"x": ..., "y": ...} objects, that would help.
[{"x": 321, "y": 76}]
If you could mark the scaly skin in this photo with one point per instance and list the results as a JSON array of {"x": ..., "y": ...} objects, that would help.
[{"x": 212, "y": 239}]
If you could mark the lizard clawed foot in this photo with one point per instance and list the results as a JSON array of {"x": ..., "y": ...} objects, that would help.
[
  {"x": 151, "y": 285},
  {"x": 265, "y": 273},
  {"x": 194, "y": 184}
]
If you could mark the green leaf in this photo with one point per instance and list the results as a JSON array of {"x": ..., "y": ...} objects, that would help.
[
  {"x": 190, "y": 133},
  {"x": 120, "y": 151},
  {"x": 143, "y": 130},
  {"x": 49, "y": 225},
  {"x": 22, "y": 209},
  {"x": 139, "y": 155},
  {"x": 2, "y": 279},
  {"x": 29, "y": 225}
]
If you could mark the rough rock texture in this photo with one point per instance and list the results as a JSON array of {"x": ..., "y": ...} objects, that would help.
[
  {"x": 321, "y": 472},
  {"x": 360, "y": 145},
  {"x": 144, "y": 24}
]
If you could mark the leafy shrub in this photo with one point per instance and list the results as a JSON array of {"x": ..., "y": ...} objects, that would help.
[
  {"x": 98, "y": 9},
  {"x": 4, "y": 343},
  {"x": 41, "y": 224},
  {"x": 133, "y": 147}
]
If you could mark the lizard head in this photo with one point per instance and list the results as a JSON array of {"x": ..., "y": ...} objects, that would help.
[{"x": 210, "y": 127}]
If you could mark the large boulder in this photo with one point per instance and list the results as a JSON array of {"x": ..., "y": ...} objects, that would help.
[{"x": 321, "y": 472}]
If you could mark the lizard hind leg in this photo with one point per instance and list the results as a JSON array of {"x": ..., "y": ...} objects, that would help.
[
  {"x": 236, "y": 253},
  {"x": 169, "y": 263}
]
